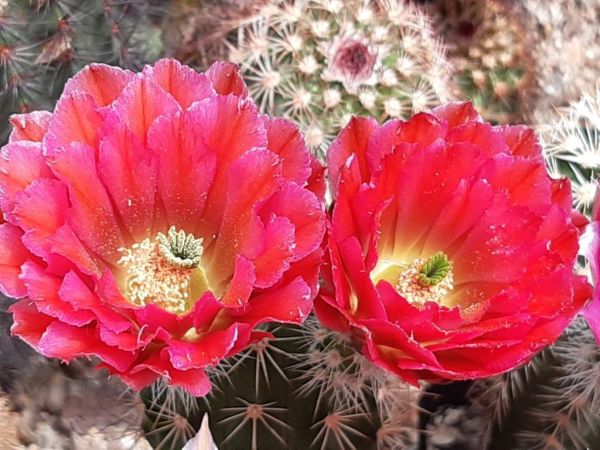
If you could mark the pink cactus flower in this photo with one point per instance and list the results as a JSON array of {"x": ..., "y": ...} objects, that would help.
[
  {"x": 153, "y": 220},
  {"x": 451, "y": 250}
]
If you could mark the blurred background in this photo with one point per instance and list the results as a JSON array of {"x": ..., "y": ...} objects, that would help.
[{"x": 535, "y": 62}]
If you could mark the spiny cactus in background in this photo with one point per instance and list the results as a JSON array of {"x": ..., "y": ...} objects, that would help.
[
  {"x": 306, "y": 388},
  {"x": 487, "y": 44},
  {"x": 44, "y": 42},
  {"x": 196, "y": 32},
  {"x": 572, "y": 148},
  {"x": 566, "y": 51},
  {"x": 551, "y": 403},
  {"x": 319, "y": 62}
]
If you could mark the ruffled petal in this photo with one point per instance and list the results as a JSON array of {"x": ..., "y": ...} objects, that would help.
[
  {"x": 75, "y": 120},
  {"x": 103, "y": 83},
  {"x": 67, "y": 342},
  {"x": 234, "y": 235},
  {"x": 29, "y": 127},
  {"x": 239, "y": 290},
  {"x": 226, "y": 79},
  {"x": 290, "y": 304},
  {"x": 208, "y": 350},
  {"x": 182, "y": 82},
  {"x": 277, "y": 239},
  {"x": 140, "y": 103},
  {"x": 352, "y": 141},
  {"x": 91, "y": 215},
  {"x": 457, "y": 113},
  {"x": 186, "y": 168},
  {"x": 521, "y": 141},
  {"x": 40, "y": 210},
  {"x": 12, "y": 257},
  {"x": 21, "y": 163},
  {"x": 230, "y": 127},
  {"x": 76, "y": 293},
  {"x": 42, "y": 289},
  {"x": 129, "y": 172},
  {"x": 285, "y": 140},
  {"x": 28, "y": 323},
  {"x": 304, "y": 210}
]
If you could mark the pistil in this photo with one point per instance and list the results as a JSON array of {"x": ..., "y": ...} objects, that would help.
[
  {"x": 419, "y": 281},
  {"x": 164, "y": 271}
]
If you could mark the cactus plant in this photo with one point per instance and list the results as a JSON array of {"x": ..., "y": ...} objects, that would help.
[
  {"x": 566, "y": 50},
  {"x": 572, "y": 147},
  {"x": 196, "y": 32},
  {"x": 43, "y": 43},
  {"x": 321, "y": 61},
  {"x": 487, "y": 44},
  {"x": 318, "y": 62},
  {"x": 306, "y": 388},
  {"x": 551, "y": 403}
]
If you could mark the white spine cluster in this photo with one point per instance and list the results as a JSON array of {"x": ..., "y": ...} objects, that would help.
[
  {"x": 572, "y": 148},
  {"x": 291, "y": 54}
]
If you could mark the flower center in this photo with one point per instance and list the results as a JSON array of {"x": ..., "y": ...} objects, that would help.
[
  {"x": 164, "y": 271},
  {"x": 420, "y": 281},
  {"x": 354, "y": 59}
]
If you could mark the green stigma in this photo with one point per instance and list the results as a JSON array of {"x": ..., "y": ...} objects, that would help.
[
  {"x": 180, "y": 249},
  {"x": 434, "y": 270}
]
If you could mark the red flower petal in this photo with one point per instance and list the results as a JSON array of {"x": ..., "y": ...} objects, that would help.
[
  {"x": 183, "y": 83},
  {"x": 139, "y": 105},
  {"x": 451, "y": 183},
  {"x": 91, "y": 216},
  {"x": 231, "y": 127},
  {"x": 194, "y": 381},
  {"x": 186, "y": 167},
  {"x": 234, "y": 234},
  {"x": 521, "y": 141},
  {"x": 21, "y": 163},
  {"x": 101, "y": 82},
  {"x": 205, "y": 312},
  {"x": 29, "y": 127},
  {"x": 285, "y": 140},
  {"x": 40, "y": 212},
  {"x": 352, "y": 140},
  {"x": 316, "y": 181},
  {"x": 457, "y": 113},
  {"x": 75, "y": 120},
  {"x": 304, "y": 211},
  {"x": 225, "y": 79},
  {"x": 67, "y": 342},
  {"x": 43, "y": 290},
  {"x": 66, "y": 243},
  {"x": 129, "y": 173},
  {"x": 278, "y": 242},
  {"x": 290, "y": 304},
  {"x": 76, "y": 293},
  {"x": 13, "y": 255},
  {"x": 208, "y": 350},
  {"x": 511, "y": 230},
  {"x": 138, "y": 380},
  {"x": 238, "y": 291},
  {"x": 28, "y": 323}
]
